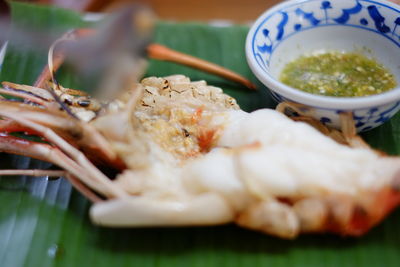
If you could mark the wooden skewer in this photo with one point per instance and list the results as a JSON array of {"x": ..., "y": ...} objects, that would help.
[{"x": 160, "y": 52}]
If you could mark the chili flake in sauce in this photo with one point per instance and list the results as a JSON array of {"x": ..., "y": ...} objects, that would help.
[{"x": 338, "y": 74}]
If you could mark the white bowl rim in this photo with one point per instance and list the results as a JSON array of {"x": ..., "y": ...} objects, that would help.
[{"x": 327, "y": 102}]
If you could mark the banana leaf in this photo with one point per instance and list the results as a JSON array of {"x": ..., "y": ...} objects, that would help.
[{"x": 44, "y": 222}]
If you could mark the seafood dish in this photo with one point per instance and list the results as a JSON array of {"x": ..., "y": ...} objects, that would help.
[{"x": 169, "y": 151}]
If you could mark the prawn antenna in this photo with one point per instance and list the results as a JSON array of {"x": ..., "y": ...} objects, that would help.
[{"x": 53, "y": 79}]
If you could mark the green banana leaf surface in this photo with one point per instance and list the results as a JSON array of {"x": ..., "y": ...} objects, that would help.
[{"x": 45, "y": 222}]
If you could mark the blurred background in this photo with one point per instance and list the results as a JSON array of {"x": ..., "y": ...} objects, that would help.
[
  {"x": 239, "y": 11},
  {"x": 182, "y": 10}
]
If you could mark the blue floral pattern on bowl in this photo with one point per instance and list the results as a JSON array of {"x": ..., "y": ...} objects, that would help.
[
  {"x": 298, "y": 18},
  {"x": 365, "y": 119},
  {"x": 364, "y": 14}
]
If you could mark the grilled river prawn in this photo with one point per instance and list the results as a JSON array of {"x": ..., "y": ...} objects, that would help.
[
  {"x": 184, "y": 153},
  {"x": 187, "y": 155}
]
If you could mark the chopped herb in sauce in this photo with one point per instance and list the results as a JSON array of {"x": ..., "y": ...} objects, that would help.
[{"x": 338, "y": 74}]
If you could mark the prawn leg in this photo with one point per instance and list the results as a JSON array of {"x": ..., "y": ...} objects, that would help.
[
  {"x": 60, "y": 123},
  {"x": 34, "y": 172},
  {"x": 81, "y": 166}
]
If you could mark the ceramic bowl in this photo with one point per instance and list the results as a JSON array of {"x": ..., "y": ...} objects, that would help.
[{"x": 298, "y": 27}]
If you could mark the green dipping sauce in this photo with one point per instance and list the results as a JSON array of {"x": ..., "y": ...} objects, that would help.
[{"x": 338, "y": 74}]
